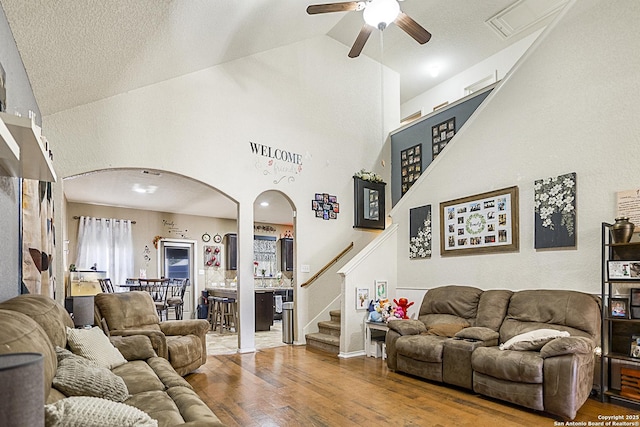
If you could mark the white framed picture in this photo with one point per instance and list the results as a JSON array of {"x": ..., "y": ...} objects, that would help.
[
  {"x": 381, "y": 289},
  {"x": 623, "y": 270},
  {"x": 362, "y": 298}
]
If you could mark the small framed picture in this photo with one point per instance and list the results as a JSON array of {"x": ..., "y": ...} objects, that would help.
[
  {"x": 635, "y": 346},
  {"x": 635, "y": 312},
  {"x": 635, "y": 296},
  {"x": 621, "y": 270},
  {"x": 362, "y": 298},
  {"x": 619, "y": 308},
  {"x": 381, "y": 289}
]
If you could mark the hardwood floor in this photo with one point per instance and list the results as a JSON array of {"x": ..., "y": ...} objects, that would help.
[{"x": 296, "y": 386}]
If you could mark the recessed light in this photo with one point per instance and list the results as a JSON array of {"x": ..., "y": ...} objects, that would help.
[{"x": 264, "y": 204}]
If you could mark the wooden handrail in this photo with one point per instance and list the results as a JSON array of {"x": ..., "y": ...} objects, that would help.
[{"x": 326, "y": 267}]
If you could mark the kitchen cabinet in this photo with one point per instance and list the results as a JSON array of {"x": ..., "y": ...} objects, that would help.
[
  {"x": 286, "y": 254},
  {"x": 264, "y": 310}
]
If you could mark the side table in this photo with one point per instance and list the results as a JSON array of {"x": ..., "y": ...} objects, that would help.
[{"x": 374, "y": 336}]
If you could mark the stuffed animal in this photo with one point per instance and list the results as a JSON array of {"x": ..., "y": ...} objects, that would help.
[
  {"x": 379, "y": 310},
  {"x": 402, "y": 306}
]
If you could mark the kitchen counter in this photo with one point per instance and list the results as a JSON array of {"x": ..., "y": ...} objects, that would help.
[{"x": 265, "y": 306}]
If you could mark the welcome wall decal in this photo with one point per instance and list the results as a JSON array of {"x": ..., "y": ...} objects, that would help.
[{"x": 282, "y": 165}]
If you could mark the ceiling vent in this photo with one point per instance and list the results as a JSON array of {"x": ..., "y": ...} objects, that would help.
[{"x": 523, "y": 15}]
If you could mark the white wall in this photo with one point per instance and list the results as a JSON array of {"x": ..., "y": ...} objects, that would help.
[
  {"x": 308, "y": 98},
  {"x": 570, "y": 105},
  {"x": 451, "y": 90}
]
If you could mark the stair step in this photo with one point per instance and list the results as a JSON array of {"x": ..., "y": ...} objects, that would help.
[
  {"x": 329, "y": 328},
  {"x": 324, "y": 342},
  {"x": 335, "y": 315}
]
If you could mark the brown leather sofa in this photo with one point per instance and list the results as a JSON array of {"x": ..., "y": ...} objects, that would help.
[
  {"x": 456, "y": 338},
  {"x": 36, "y": 323},
  {"x": 182, "y": 342}
]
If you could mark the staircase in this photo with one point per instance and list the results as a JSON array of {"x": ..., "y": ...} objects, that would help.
[{"x": 328, "y": 337}]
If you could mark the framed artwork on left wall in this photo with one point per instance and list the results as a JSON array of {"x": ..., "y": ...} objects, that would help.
[{"x": 362, "y": 298}]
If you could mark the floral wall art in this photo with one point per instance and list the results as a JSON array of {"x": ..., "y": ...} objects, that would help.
[
  {"x": 555, "y": 211},
  {"x": 420, "y": 232}
]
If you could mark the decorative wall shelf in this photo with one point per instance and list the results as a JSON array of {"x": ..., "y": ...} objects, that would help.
[
  {"x": 34, "y": 161},
  {"x": 9, "y": 152}
]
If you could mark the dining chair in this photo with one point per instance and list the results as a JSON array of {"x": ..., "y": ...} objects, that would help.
[
  {"x": 106, "y": 286},
  {"x": 176, "y": 298},
  {"x": 158, "y": 290}
]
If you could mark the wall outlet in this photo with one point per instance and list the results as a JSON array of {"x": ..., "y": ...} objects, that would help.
[{"x": 305, "y": 268}]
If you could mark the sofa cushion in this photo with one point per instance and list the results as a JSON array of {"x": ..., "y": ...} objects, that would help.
[
  {"x": 128, "y": 310},
  {"x": 575, "y": 312},
  {"x": 516, "y": 366},
  {"x": 134, "y": 347},
  {"x": 139, "y": 377},
  {"x": 46, "y": 312},
  {"x": 80, "y": 377},
  {"x": 159, "y": 406},
  {"x": 94, "y": 412},
  {"x": 478, "y": 333},
  {"x": 94, "y": 345},
  {"x": 425, "y": 348},
  {"x": 446, "y": 329},
  {"x": 492, "y": 308},
  {"x": 532, "y": 340},
  {"x": 166, "y": 374},
  {"x": 460, "y": 301}
]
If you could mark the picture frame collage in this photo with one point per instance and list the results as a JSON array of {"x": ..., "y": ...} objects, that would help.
[
  {"x": 441, "y": 134},
  {"x": 325, "y": 206},
  {"x": 486, "y": 222},
  {"x": 411, "y": 166}
]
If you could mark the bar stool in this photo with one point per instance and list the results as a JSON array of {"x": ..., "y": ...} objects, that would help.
[
  {"x": 230, "y": 314},
  {"x": 214, "y": 316}
]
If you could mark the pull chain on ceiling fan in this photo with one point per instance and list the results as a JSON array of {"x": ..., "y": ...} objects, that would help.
[{"x": 377, "y": 14}]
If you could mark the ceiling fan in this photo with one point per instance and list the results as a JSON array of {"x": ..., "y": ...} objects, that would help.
[{"x": 377, "y": 14}]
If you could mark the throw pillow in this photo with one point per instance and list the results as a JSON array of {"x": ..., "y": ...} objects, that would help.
[
  {"x": 77, "y": 376},
  {"x": 94, "y": 412},
  {"x": 478, "y": 333},
  {"x": 94, "y": 345},
  {"x": 445, "y": 329},
  {"x": 533, "y": 340}
]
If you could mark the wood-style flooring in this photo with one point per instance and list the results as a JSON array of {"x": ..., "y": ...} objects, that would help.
[{"x": 296, "y": 386}]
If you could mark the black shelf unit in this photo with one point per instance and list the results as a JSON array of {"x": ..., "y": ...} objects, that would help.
[{"x": 616, "y": 332}]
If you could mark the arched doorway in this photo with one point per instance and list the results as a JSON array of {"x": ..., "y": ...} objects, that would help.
[
  {"x": 167, "y": 208},
  {"x": 274, "y": 264}
]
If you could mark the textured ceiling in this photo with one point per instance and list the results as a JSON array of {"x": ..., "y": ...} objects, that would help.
[{"x": 79, "y": 51}]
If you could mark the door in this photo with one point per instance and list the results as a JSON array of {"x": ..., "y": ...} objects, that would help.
[{"x": 176, "y": 261}]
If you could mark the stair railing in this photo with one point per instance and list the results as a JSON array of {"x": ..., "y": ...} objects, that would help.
[{"x": 328, "y": 266}]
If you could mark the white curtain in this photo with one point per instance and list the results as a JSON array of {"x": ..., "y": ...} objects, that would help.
[{"x": 107, "y": 245}]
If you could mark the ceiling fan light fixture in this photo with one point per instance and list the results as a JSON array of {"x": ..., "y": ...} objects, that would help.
[{"x": 380, "y": 13}]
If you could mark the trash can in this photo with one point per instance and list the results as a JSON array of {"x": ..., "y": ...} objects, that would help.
[{"x": 287, "y": 322}]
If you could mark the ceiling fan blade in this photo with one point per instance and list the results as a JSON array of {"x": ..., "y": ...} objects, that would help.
[
  {"x": 362, "y": 38},
  {"x": 333, "y": 7},
  {"x": 412, "y": 28}
]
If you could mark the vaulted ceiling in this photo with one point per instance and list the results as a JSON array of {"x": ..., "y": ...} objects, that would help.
[{"x": 80, "y": 51}]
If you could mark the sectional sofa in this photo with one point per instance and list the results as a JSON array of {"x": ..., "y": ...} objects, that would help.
[
  {"x": 533, "y": 348},
  {"x": 141, "y": 389}
]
